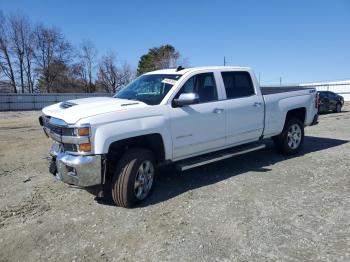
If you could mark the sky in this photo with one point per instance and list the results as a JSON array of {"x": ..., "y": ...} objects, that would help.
[{"x": 295, "y": 40}]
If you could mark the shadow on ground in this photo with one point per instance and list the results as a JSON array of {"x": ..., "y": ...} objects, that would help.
[
  {"x": 331, "y": 112},
  {"x": 171, "y": 183}
]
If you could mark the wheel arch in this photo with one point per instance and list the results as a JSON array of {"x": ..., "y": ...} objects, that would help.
[
  {"x": 299, "y": 113},
  {"x": 153, "y": 142}
]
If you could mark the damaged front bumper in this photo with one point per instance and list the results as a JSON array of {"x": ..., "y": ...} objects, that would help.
[{"x": 79, "y": 170}]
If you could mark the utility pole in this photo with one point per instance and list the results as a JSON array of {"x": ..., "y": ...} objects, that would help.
[
  {"x": 224, "y": 61},
  {"x": 280, "y": 80}
]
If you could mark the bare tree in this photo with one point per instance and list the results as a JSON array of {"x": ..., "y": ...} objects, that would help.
[
  {"x": 51, "y": 50},
  {"x": 87, "y": 57},
  {"x": 39, "y": 58},
  {"x": 29, "y": 49},
  {"x": 29, "y": 62},
  {"x": 111, "y": 77},
  {"x": 126, "y": 75},
  {"x": 6, "y": 63},
  {"x": 108, "y": 73},
  {"x": 21, "y": 43}
]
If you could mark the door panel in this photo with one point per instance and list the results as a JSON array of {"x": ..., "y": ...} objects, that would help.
[
  {"x": 244, "y": 108},
  {"x": 197, "y": 128},
  {"x": 244, "y": 119}
]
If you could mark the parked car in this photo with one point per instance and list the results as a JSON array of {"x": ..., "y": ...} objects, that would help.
[
  {"x": 329, "y": 101},
  {"x": 189, "y": 117}
]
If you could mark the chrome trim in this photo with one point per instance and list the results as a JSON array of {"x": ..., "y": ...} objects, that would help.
[
  {"x": 79, "y": 153},
  {"x": 57, "y": 122},
  {"x": 61, "y": 123},
  {"x": 46, "y": 132},
  {"x": 87, "y": 168},
  {"x": 55, "y": 136},
  {"x": 75, "y": 139},
  {"x": 186, "y": 167},
  {"x": 55, "y": 149}
]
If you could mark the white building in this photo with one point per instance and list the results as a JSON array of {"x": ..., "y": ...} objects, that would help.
[{"x": 341, "y": 87}]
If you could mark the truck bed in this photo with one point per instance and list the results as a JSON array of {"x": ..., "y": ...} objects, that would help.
[{"x": 269, "y": 90}]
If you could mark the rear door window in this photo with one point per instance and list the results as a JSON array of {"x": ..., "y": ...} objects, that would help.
[{"x": 237, "y": 84}]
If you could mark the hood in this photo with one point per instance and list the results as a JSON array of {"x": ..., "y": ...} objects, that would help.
[{"x": 72, "y": 111}]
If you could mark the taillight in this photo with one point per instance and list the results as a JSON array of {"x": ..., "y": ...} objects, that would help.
[{"x": 317, "y": 101}]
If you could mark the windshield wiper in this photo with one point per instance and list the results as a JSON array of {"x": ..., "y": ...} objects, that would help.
[{"x": 132, "y": 99}]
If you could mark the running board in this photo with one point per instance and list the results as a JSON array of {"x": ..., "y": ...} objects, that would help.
[{"x": 217, "y": 156}]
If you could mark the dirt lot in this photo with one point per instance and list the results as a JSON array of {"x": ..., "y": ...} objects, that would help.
[{"x": 258, "y": 207}]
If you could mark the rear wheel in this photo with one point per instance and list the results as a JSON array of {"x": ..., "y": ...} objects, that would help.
[
  {"x": 337, "y": 108},
  {"x": 133, "y": 178},
  {"x": 292, "y": 137}
]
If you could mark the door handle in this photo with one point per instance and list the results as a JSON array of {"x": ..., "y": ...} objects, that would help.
[
  {"x": 218, "y": 110},
  {"x": 257, "y": 104}
]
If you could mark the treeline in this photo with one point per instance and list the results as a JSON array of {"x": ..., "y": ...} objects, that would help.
[{"x": 38, "y": 58}]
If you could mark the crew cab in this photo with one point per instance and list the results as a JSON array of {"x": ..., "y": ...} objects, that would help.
[{"x": 188, "y": 117}]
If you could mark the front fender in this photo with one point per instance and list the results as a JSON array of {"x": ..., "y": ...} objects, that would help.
[{"x": 108, "y": 133}]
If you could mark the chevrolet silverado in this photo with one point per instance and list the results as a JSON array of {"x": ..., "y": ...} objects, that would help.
[{"x": 188, "y": 117}]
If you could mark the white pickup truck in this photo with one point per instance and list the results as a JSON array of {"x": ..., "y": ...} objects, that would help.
[{"x": 188, "y": 117}]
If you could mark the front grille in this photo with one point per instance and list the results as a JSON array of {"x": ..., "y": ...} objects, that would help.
[
  {"x": 55, "y": 129},
  {"x": 62, "y": 131},
  {"x": 70, "y": 147},
  {"x": 62, "y": 134}
]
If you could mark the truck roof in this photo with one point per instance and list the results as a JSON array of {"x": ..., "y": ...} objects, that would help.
[{"x": 192, "y": 69}]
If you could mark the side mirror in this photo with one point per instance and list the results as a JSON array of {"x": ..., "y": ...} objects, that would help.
[{"x": 186, "y": 99}]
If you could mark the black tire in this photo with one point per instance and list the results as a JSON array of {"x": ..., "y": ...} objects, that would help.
[
  {"x": 282, "y": 141},
  {"x": 337, "y": 108},
  {"x": 123, "y": 182}
]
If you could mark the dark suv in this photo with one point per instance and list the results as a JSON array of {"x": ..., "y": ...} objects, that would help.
[{"x": 330, "y": 101}]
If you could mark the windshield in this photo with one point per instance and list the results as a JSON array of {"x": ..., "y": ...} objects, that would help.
[{"x": 150, "y": 89}]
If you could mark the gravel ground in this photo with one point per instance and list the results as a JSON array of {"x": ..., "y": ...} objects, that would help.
[{"x": 257, "y": 207}]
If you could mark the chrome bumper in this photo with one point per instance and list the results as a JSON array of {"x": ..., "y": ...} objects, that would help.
[{"x": 81, "y": 171}]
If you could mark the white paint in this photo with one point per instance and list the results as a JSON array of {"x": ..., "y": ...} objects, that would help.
[{"x": 189, "y": 130}]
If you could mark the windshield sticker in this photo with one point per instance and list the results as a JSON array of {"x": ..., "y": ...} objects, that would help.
[{"x": 169, "y": 81}]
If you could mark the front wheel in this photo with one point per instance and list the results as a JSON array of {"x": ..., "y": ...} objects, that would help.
[
  {"x": 291, "y": 139},
  {"x": 134, "y": 177}
]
